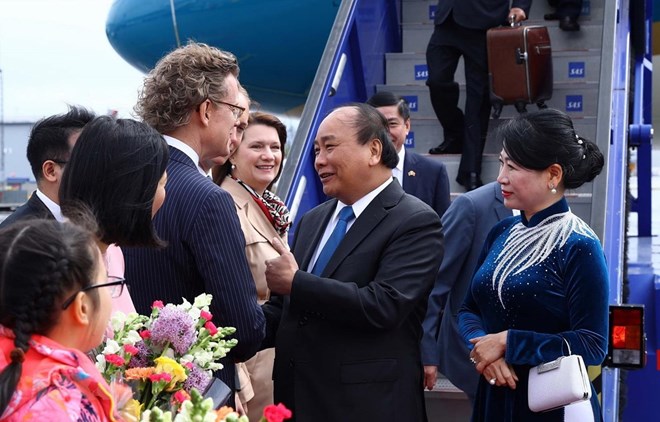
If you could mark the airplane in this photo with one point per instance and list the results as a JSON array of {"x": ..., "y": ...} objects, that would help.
[{"x": 278, "y": 43}]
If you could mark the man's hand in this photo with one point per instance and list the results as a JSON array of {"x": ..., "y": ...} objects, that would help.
[
  {"x": 280, "y": 270},
  {"x": 518, "y": 13},
  {"x": 430, "y": 376}
]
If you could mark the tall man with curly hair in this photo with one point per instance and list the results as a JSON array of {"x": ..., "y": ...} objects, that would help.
[{"x": 190, "y": 97}]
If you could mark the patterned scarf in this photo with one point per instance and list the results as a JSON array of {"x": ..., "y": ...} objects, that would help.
[{"x": 272, "y": 206}]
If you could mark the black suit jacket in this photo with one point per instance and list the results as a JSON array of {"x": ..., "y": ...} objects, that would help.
[
  {"x": 33, "y": 208},
  {"x": 466, "y": 223},
  {"x": 205, "y": 253},
  {"x": 478, "y": 14},
  {"x": 427, "y": 180},
  {"x": 347, "y": 346}
]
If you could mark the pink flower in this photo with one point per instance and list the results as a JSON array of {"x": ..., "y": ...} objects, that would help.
[
  {"x": 145, "y": 334},
  {"x": 181, "y": 396},
  {"x": 130, "y": 349},
  {"x": 114, "y": 359},
  {"x": 157, "y": 304},
  {"x": 211, "y": 327},
  {"x": 206, "y": 315},
  {"x": 188, "y": 365},
  {"x": 277, "y": 413},
  {"x": 160, "y": 377}
]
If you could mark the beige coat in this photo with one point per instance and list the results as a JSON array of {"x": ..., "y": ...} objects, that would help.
[{"x": 256, "y": 374}]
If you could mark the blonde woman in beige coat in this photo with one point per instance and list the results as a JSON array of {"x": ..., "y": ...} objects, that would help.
[{"x": 248, "y": 176}]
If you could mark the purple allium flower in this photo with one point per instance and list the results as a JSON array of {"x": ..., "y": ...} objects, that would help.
[
  {"x": 197, "y": 378},
  {"x": 175, "y": 326},
  {"x": 143, "y": 357}
]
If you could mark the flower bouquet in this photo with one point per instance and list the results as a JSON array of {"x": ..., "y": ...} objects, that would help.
[{"x": 165, "y": 357}]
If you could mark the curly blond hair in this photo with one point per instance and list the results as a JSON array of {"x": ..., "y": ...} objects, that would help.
[{"x": 181, "y": 81}]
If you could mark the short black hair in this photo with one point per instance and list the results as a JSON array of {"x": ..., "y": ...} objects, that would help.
[
  {"x": 386, "y": 99},
  {"x": 114, "y": 171},
  {"x": 538, "y": 139},
  {"x": 49, "y": 137},
  {"x": 371, "y": 124}
]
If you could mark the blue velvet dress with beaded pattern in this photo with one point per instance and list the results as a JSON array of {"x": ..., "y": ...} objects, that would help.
[{"x": 543, "y": 280}]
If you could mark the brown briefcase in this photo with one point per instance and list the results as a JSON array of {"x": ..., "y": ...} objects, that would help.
[{"x": 519, "y": 66}]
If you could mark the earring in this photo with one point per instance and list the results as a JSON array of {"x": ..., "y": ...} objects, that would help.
[
  {"x": 233, "y": 166},
  {"x": 553, "y": 190}
]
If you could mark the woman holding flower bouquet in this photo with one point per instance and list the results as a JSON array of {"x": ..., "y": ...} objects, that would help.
[
  {"x": 55, "y": 304},
  {"x": 250, "y": 173},
  {"x": 117, "y": 171}
]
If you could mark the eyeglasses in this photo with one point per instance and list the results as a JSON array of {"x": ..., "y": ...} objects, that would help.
[
  {"x": 236, "y": 110},
  {"x": 115, "y": 283}
]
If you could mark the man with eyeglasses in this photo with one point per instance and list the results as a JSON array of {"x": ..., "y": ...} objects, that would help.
[
  {"x": 191, "y": 98},
  {"x": 49, "y": 147}
]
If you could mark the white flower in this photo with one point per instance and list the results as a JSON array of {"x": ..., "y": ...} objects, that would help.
[
  {"x": 132, "y": 337},
  {"x": 194, "y": 313},
  {"x": 117, "y": 321},
  {"x": 111, "y": 347},
  {"x": 203, "y": 358},
  {"x": 100, "y": 362},
  {"x": 203, "y": 301}
]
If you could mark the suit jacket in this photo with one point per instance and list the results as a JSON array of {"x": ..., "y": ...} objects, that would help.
[
  {"x": 427, "y": 180},
  {"x": 205, "y": 253},
  {"x": 347, "y": 346},
  {"x": 33, "y": 208},
  {"x": 259, "y": 233},
  {"x": 478, "y": 14},
  {"x": 466, "y": 224}
]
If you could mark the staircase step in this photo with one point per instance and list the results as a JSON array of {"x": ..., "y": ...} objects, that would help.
[
  {"x": 416, "y": 36},
  {"x": 423, "y": 11},
  {"x": 576, "y": 99},
  {"x": 567, "y": 66}
]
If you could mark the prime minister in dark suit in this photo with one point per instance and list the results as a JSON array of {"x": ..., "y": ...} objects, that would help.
[
  {"x": 347, "y": 324},
  {"x": 466, "y": 224},
  {"x": 190, "y": 97}
]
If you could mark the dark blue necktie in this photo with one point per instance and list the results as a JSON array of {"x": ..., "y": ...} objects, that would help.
[{"x": 346, "y": 214}]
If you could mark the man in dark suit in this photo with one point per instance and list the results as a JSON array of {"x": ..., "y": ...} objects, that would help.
[
  {"x": 466, "y": 225},
  {"x": 347, "y": 334},
  {"x": 190, "y": 97},
  {"x": 49, "y": 147},
  {"x": 419, "y": 176},
  {"x": 460, "y": 30}
]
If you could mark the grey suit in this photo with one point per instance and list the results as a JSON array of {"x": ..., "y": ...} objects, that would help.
[{"x": 466, "y": 224}]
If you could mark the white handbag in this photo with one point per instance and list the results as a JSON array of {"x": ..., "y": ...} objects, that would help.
[{"x": 558, "y": 383}]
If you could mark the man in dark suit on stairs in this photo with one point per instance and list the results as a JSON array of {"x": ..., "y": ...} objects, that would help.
[
  {"x": 419, "y": 176},
  {"x": 460, "y": 30},
  {"x": 466, "y": 224},
  {"x": 49, "y": 147},
  {"x": 190, "y": 97},
  {"x": 346, "y": 319}
]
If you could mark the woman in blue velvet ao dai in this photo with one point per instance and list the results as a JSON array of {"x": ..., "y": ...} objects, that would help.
[{"x": 542, "y": 279}]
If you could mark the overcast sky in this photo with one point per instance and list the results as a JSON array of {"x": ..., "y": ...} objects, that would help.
[{"x": 54, "y": 53}]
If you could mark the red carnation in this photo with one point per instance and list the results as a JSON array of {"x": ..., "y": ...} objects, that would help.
[
  {"x": 157, "y": 304},
  {"x": 277, "y": 413},
  {"x": 206, "y": 315},
  {"x": 114, "y": 359},
  {"x": 145, "y": 334},
  {"x": 130, "y": 349},
  {"x": 211, "y": 327}
]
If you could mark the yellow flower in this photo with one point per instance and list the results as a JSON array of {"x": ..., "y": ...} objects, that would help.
[{"x": 171, "y": 367}]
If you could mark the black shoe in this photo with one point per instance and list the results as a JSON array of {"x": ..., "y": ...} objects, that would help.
[
  {"x": 551, "y": 16},
  {"x": 447, "y": 148},
  {"x": 471, "y": 183},
  {"x": 568, "y": 23}
]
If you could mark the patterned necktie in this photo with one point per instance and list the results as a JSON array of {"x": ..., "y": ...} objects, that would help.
[{"x": 345, "y": 215}]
